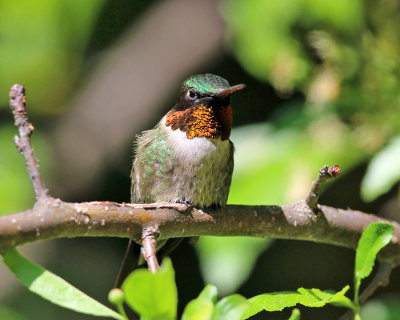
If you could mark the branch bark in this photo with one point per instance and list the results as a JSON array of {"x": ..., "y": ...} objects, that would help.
[
  {"x": 324, "y": 174},
  {"x": 149, "y": 248},
  {"x": 52, "y": 218},
  {"x": 23, "y": 141}
]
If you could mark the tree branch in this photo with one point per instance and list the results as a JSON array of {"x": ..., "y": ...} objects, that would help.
[
  {"x": 23, "y": 142},
  {"x": 305, "y": 220},
  {"x": 54, "y": 218},
  {"x": 149, "y": 248},
  {"x": 324, "y": 174},
  {"x": 381, "y": 279}
]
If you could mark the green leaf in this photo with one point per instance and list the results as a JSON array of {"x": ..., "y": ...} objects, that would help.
[
  {"x": 374, "y": 238},
  {"x": 295, "y": 315},
  {"x": 198, "y": 309},
  {"x": 152, "y": 295},
  {"x": 318, "y": 298},
  {"x": 53, "y": 288},
  {"x": 202, "y": 307},
  {"x": 277, "y": 301},
  {"x": 230, "y": 308},
  {"x": 210, "y": 293},
  {"x": 383, "y": 171}
]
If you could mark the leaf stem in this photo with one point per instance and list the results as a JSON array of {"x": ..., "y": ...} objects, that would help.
[
  {"x": 357, "y": 283},
  {"x": 121, "y": 310}
]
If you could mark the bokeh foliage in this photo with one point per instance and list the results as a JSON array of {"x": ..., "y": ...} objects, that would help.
[
  {"x": 42, "y": 46},
  {"x": 344, "y": 58},
  {"x": 154, "y": 296},
  {"x": 335, "y": 66}
]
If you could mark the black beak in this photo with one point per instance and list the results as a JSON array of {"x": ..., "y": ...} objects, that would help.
[{"x": 230, "y": 90}]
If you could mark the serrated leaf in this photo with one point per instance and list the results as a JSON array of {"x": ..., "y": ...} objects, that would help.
[
  {"x": 295, "y": 315},
  {"x": 318, "y": 298},
  {"x": 152, "y": 295},
  {"x": 277, "y": 301},
  {"x": 383, "y": 171},
  {"x": 53, "y": 288},
  {"x": 373, "y": 239},
  {"x": 230, "y": 308}
]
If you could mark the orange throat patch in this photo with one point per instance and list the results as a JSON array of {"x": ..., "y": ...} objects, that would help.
[{"x": 202, "y": 121}]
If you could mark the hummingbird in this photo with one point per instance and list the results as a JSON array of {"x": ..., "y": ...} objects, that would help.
[{"x": 188, "y": 157}]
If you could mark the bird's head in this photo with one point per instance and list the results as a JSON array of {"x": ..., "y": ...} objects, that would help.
[{"x": 203, "y": 108}]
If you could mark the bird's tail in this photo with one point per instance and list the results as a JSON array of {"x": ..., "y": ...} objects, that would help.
[
  {"x": 129, "y": 263},
  {"x": 133, "y": 257}
]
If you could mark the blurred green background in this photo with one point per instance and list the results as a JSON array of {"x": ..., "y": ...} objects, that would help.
[{"x": 323, "y": 83}]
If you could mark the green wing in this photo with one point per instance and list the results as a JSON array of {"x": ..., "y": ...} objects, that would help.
[
  {"x": 228, "y": 171},
  {"x": 143, "y": 141},
  {"x": 152, "y": 157}
]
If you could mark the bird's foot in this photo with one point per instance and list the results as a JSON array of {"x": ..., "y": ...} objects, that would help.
[
  {"x": 187, "y": 203},
  {"x": 184, "y": 201}
]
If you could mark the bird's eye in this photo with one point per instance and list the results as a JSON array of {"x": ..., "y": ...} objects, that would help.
[{"x": 192, "y": 95}]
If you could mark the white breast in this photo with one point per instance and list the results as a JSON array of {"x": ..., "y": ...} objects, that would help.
[{"x": 197, "y": 149}]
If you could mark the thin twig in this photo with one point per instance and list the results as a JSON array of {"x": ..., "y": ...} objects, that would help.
[
  {"x": 325, "y": 173},
  {"x": 52, "y": 218},
  {"x": 23, "y": 142},
  {"x": 149, "y": 248},
  {"x": 348, "y": 315},
  {"x": 381, "y": 279}
]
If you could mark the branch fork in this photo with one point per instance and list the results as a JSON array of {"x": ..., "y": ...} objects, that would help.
[
  {"x": 149, "y": 247},
  {"x": 325, "y": 173},
  {"x": 23, "y": 141},
  {"x": 52, "y": 218}
]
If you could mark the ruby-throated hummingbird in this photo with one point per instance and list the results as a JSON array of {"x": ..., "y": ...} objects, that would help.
[{"x": 188, "y": 156}]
